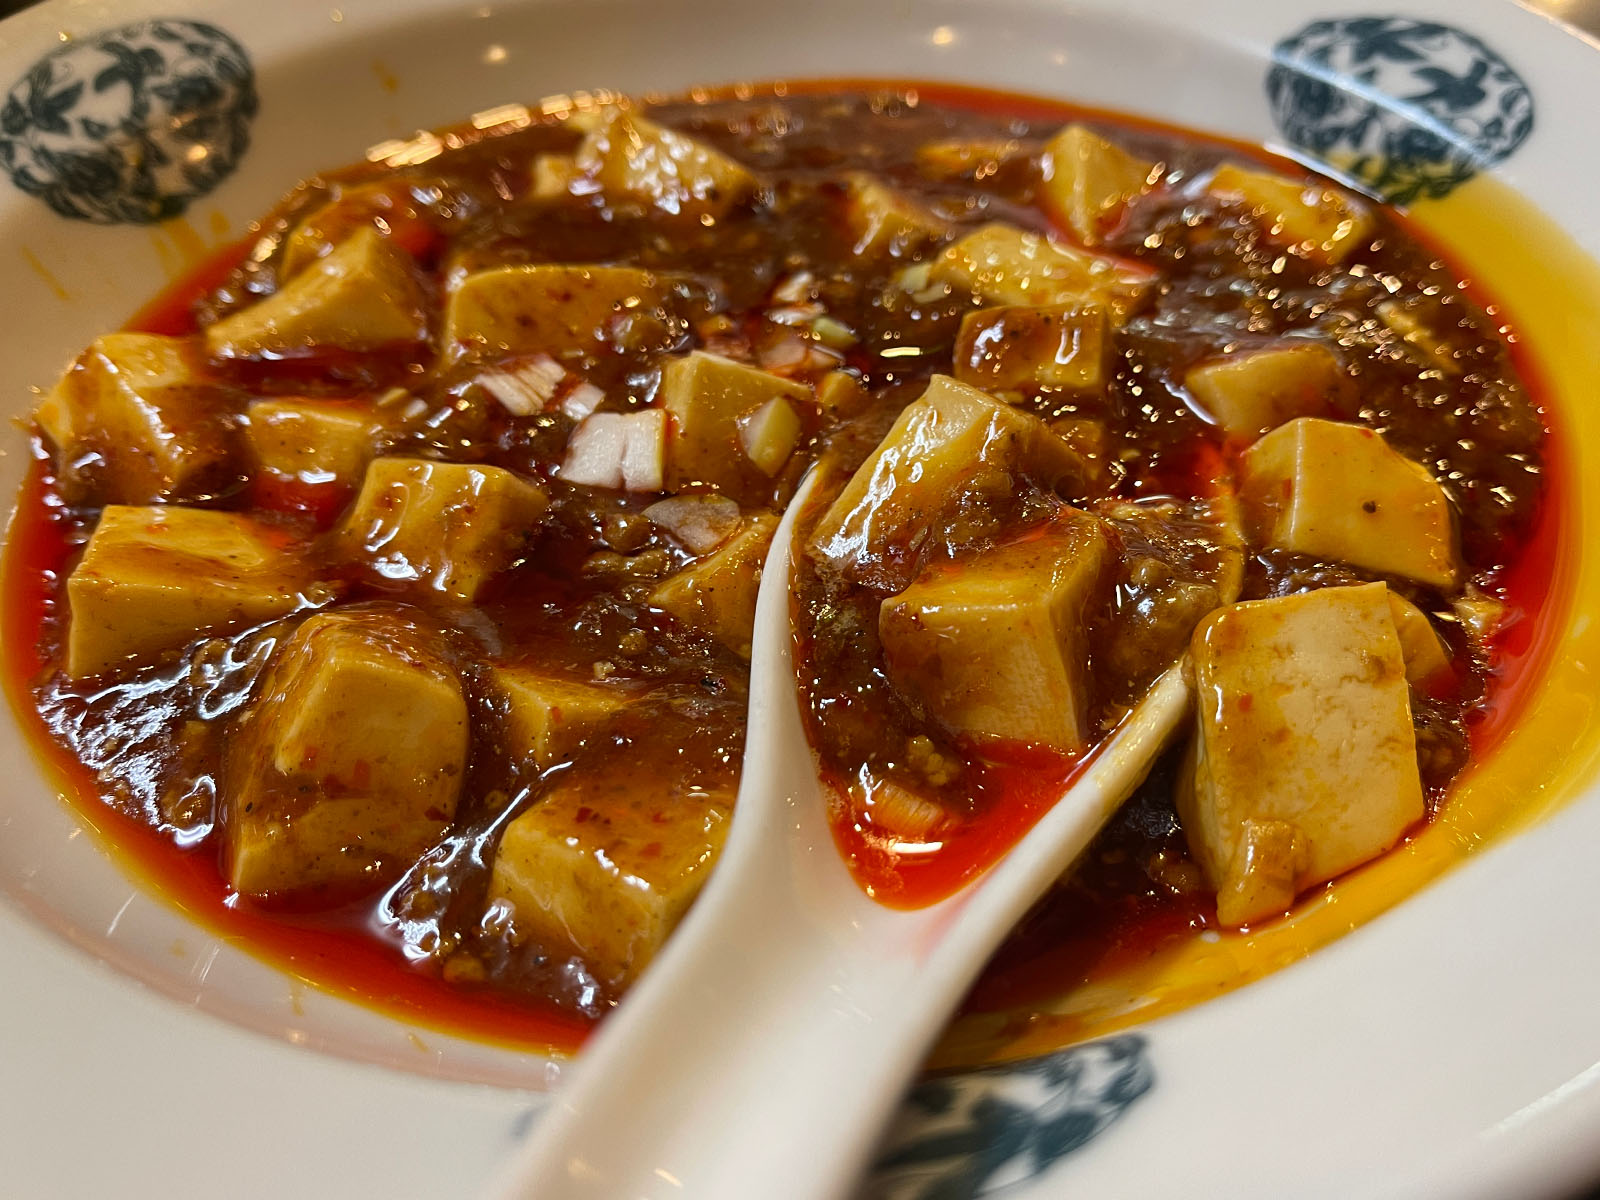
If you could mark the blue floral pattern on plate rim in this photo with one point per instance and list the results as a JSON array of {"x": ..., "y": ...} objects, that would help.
[
  {"x": 1410, "y": 109},
  {"x": 132, "y": 124}
]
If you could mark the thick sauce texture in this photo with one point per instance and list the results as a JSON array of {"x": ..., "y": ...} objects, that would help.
[{"x": 587, "y": 659}]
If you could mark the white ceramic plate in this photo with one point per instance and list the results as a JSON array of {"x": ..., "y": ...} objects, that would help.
[{"x": 1448, "y": 1048}]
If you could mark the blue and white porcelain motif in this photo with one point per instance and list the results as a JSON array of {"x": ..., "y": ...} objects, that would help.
[
  {"x": 1411, "y": 109},
  {"x": 986, "y": 1132},
  {"x": 132, "y": 124}
]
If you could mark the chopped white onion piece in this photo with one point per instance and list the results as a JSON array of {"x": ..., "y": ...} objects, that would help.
[
  {"x": 794, "y": 289},
  {"x": 618, "y": 450},
  {"x": 699, "y": 523},
  {"x": 527, "y": 388},
  {"x": 581, "y": 401}
]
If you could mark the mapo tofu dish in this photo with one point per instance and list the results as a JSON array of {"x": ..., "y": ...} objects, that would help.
[{"x": 395, "y": 574}]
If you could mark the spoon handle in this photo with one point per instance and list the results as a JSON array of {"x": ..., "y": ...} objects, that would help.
[{"x": 762, "y": 1052}]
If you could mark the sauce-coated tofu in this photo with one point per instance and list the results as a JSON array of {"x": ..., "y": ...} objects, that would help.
[
  {"x": 1251, "y": 392},
  {"x": 134, "y": 421},
  {"x": 995, "y": 645},
  {"x": 1305, "y": 759},
  {"x": 1052, "y": 345},
  {"x": 1340, "y": 492},
  {"x": 1321, "y": 222},
  {"x": 361, "y": 296},
  {"x": 315, "y": 441},
  {"x": 706, "y": 396},
  {"x": 353, "y": 208},
  {"x": 1087, "y": 180},
  {"x": 634, "y": 158},
  {"x": 555, "y": 309},
  {"x": 717, "y": 594},
  {"x": 885, "y": 221},
  {"x": 918, "y": 470},
  {"x": 154, "y": 579},
  {"x": 1001, "y": 264},
  {"x": 607, "y": 863},
  {"x": 350, "y": 763},
  {"x": 547, "y": 716},
  {"x": 441, "y": 527},
  {"x": 1424, "y": 650}
]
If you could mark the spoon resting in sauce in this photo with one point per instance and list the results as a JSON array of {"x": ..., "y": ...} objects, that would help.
[{"x": 774, "y": 1034}]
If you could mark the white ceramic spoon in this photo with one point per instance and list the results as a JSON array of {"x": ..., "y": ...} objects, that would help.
[{"x": 764, "y": 1050}]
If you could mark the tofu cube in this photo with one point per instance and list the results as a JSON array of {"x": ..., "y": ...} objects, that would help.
[
  {"x": 1014, "y": 348},
  {"x": 444, "y": 528},
  {"x": 1425, "y": 652},
  {"x": 134, "y": 421},
  {"x": 1340, "y": 492},
  {"x": 352, "y": 209},
  {"x": 885, "y": 221},
  {"x": 350, "y": 763},
  {"x": 556, "y": 309},
  {"x": 546, "y": 716},
  {"x": 1321, "y": 222},
  {"x": 1001, "y": 264},
  {"x": 553, "y": 175},
  {"x": 618, "y": 450},
  {"x": 706, "y": 395},
  {"x": 1251, "y": 392},
  {"x": 717, "y": 594},
  {"x": 955, "y": 157},
  {"x": 632, "y": 158},
  {"x": 995, "y": 645},
  {"x": 1413, "y": 329},
  {"x": 607, "y": 862},
  {"x": 1088, "y": 180},
  {"x": 315, "y": 441},
  {"x": 919, "y": 470},
  {"x": 361, "y": 296},
  {"x": 152, "y": 580},
  {"x": 1305, "y": 761}
]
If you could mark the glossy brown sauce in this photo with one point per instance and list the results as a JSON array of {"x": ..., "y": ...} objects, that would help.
[{"x": 142, "y": 755}]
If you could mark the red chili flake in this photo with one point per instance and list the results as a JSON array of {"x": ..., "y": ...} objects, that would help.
[{"x": 583, "y": 814}]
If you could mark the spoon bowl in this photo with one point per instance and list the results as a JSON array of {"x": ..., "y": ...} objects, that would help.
[{"x": 774, "y": 1034}]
